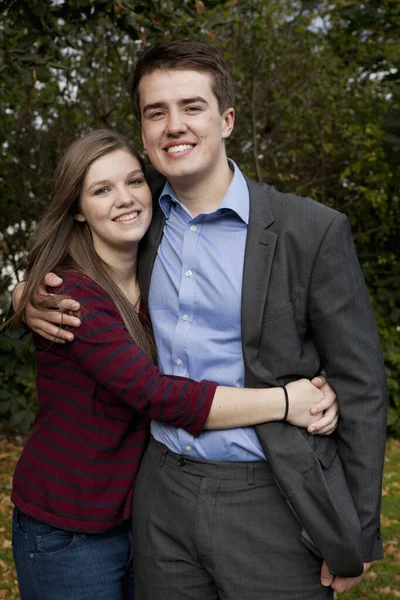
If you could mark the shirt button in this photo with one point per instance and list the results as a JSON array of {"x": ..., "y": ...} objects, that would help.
[
  {"x": 185, "y": 318},
  {"x": 179, "y": 362},
  {"x": 188, "y": 448},
  {"x": 193, "y": 228},
  {"x": 188, "y": 273}
]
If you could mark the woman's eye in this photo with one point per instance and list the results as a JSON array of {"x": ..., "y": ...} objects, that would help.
[
  {"x": 135, "y": 181},
  {"x": 101, "y": 191}
]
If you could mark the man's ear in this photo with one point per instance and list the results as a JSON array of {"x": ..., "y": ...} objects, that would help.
[
  {"x": 79, "y": 217},
  {"x": 228, "y": 121}
]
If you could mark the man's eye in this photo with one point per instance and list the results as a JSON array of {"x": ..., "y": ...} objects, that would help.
[
  {"x": 156, "y": 115},
  {"x": 193, "y": 109}
]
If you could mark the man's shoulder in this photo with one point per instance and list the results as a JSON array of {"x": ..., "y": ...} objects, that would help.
[{"x": 286, "y": 205}]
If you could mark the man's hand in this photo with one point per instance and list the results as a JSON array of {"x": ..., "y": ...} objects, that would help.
[
  {"x": 47, "y": 323},
  {"x": 340, "y": 584},
  {"x": 328, "y": 407}
]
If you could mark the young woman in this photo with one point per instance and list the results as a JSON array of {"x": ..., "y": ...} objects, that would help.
[{"x": 74, "y": 482}]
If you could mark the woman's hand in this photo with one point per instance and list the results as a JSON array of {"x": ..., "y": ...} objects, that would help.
[
  {"x": 327, "y": 409},
  {"x": 312, "y": 405}
]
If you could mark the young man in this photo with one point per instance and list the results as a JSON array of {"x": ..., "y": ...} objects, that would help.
[{"x": 257, "y": 288}]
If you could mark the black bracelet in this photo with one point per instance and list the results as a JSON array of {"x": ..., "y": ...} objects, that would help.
[{"x": 286, "y": 402}]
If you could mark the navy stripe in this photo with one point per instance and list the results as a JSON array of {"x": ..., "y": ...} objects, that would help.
[
  {"x": 200, "y": 404},
  {"x": 66, "y": 382},
  {"x": 92, "y": 350},
  {"x": 81, "y": 473},
  {"x": 94, "y": 332},
  {"x": 65, "y": 499},
  {"x": 95, "y": 461},
  {"x": 85, "y": 443},
  {"x": 69, "y": 288},
  {"x": 164, "y": 400},
  {"x": 98, "y": 313},
  {"x": 81, "y": 488},
  {"x": 133, "y": 381},
  {"x": 181, "y": 398},
  {"x": 105, "y": 296},
  {"x": 113, "y": 355},
  {"x": 122, "y": 369},
  {"x": 66, "y": 514},
  {"x": 92, "y": 413},
  {"x": 142, "y": 392},
  {"x": 74, "y": 368},
  {"x": 97, "y": 430}
]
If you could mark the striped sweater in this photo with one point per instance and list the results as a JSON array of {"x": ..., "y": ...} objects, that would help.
[{"x": 96, "y": 398}]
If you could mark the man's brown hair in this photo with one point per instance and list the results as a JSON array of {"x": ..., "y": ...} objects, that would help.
[{"x": 186, "y": 55}]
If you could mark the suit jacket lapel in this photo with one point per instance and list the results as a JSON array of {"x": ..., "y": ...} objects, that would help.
[
  {"x": 149, "y": 245},
  {"x": 260, "y": 248}
]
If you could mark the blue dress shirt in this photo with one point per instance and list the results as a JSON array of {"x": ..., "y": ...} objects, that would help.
[{"x": 195, "y": 309}]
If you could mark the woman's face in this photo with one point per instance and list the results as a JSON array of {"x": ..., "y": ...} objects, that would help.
[{"x": 115, "y": 202}]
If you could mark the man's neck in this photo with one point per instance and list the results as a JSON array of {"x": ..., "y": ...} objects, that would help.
[{"x": 206, "y": 194}]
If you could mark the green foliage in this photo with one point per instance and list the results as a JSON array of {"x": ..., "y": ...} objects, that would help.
[{"x": 18, "y": 400}]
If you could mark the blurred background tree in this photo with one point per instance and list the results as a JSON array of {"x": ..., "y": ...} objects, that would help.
[{"x": 318, "y": 114}]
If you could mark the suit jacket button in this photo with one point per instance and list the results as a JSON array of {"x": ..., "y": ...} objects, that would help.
[{"x": 182, "y": 462}]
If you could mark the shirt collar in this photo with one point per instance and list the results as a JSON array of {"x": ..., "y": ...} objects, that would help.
[{"x": 236, "y": 199}]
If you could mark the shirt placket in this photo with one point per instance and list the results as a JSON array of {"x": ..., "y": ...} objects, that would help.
[{"x": 187, "y": 297}]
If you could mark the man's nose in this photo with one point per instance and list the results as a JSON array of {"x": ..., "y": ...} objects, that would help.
[{"x": 175, "y": 124}]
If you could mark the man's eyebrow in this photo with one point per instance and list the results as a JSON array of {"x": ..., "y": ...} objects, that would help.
[
  {"x": 193, "y": 100},
  {"x": 183, "y": 102}
]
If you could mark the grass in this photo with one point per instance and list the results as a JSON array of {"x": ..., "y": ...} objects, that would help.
[{"x": 382, "y": 582}]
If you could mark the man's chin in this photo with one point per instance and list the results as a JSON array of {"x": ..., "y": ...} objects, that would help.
[{"x": 176, "y": 173}]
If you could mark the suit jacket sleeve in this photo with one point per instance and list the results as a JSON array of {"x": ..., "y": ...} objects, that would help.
[{"x": 344, "y": 330}]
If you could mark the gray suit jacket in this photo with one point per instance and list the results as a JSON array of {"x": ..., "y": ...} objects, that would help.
[{"x": 305, "y": 308}]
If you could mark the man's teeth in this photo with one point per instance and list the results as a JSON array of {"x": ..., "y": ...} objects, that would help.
[
  {"x": 127, "y": 217},
  {"x": 180, "y": 148}
]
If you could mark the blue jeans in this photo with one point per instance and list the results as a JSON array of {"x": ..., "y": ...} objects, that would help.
[{"x": 53, "y": 564}]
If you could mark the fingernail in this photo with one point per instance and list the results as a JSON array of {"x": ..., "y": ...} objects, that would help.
[
  {"x": 75, "y": 306},
  {"x": 76, "y": 322},
  {"x": 311, "y": 429},
  {"x": 325, "y": 581}
]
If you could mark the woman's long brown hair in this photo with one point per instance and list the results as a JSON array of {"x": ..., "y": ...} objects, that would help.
[{"x": 61, "y": 242}]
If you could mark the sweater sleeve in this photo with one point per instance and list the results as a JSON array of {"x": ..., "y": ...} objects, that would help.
[{"x": 105, "y": 351}]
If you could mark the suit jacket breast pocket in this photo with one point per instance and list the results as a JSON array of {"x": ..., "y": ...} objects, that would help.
[{"x": 281, "y": 346}]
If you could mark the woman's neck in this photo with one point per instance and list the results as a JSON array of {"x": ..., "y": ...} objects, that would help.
[{"x": 123, "y": 266}]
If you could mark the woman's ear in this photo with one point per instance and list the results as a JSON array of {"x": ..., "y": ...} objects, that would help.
[{"x": 79, "y": 217}]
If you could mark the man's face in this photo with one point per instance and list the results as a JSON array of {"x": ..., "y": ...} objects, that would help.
[{"x": 183, "y": 130}]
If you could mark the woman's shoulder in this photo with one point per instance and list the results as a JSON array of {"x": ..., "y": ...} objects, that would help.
[{"x": 79, "y": 286}]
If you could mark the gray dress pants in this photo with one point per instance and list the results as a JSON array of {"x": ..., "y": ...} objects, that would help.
[{"x": 207, "y": 530}]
